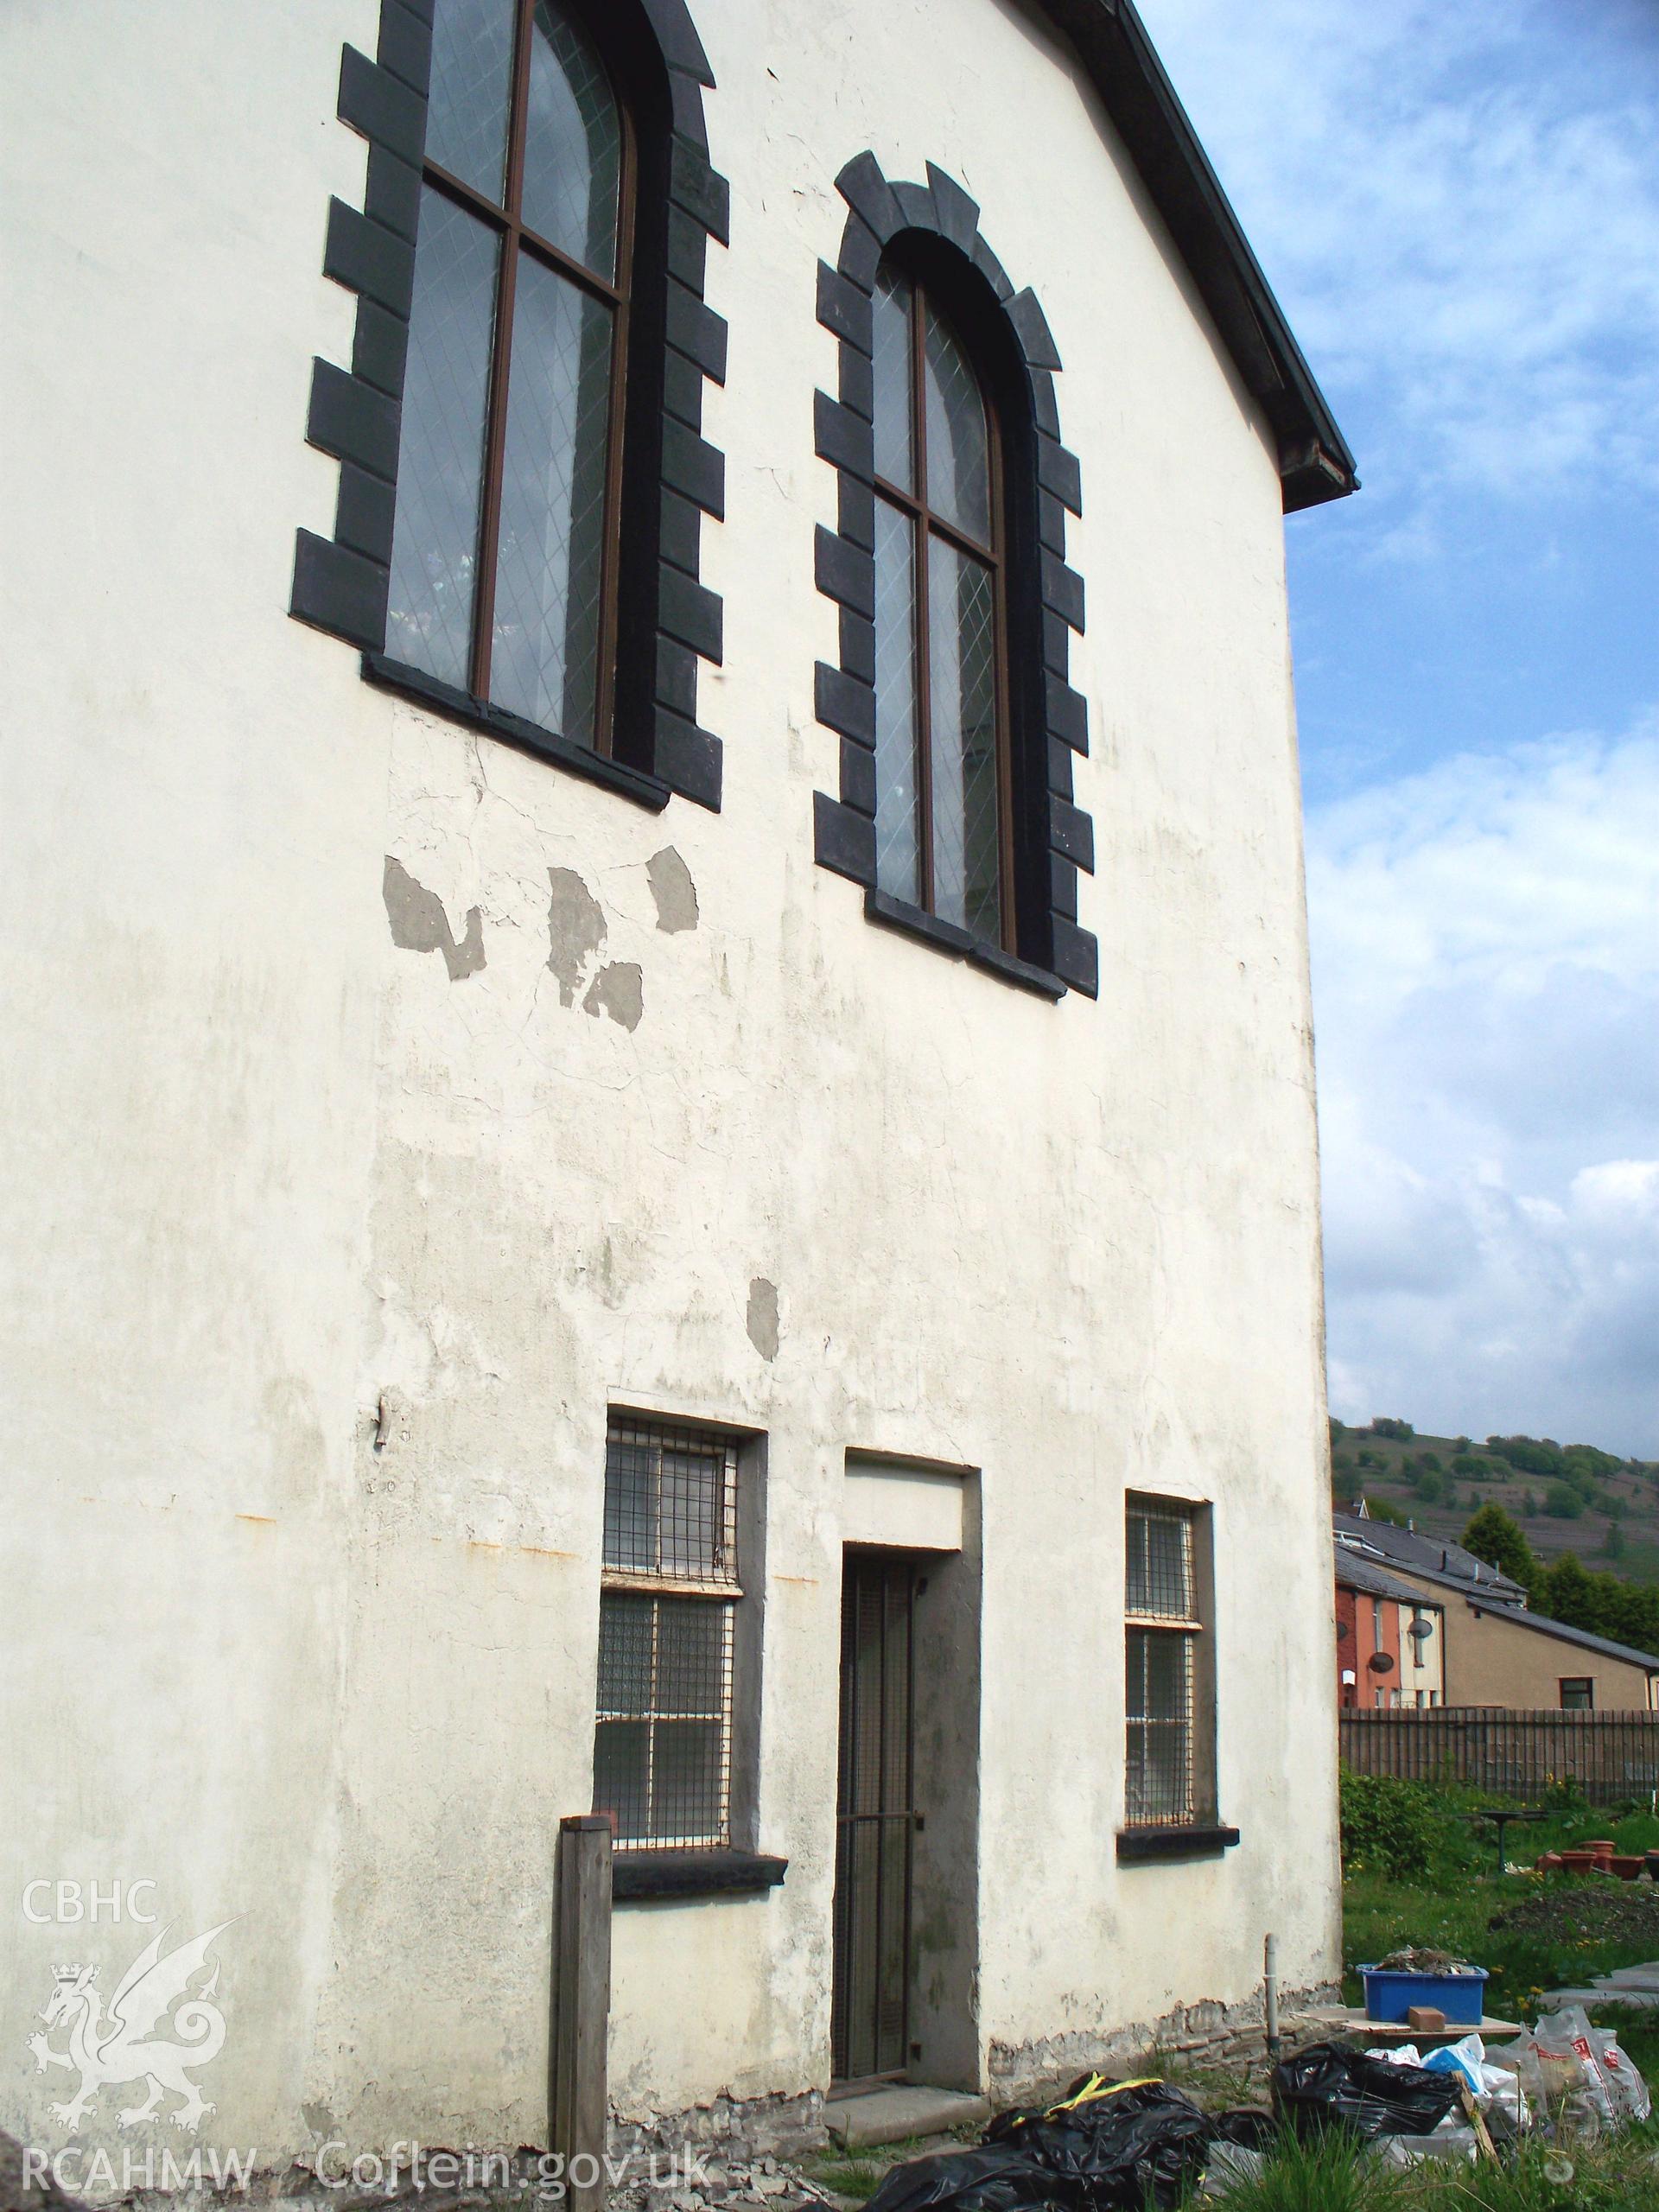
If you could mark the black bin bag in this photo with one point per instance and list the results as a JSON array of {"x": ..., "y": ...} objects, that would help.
[
  {"x": 996, "y": 2179},
  {"x": 1123, "y": 2146},
  {"x": 1332, "y": 2084}
]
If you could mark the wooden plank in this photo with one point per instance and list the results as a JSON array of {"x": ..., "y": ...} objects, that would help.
[{"x": 578, "y": 2090}]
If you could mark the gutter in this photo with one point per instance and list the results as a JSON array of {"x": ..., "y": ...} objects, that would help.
[{"x": 1315, "y": 464}]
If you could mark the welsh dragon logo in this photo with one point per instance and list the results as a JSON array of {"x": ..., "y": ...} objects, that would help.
[{"x": 121, "y": 2048}]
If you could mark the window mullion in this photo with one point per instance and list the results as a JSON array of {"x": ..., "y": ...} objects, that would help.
[
  {"x": 924, "y": 668},
  {"x": 489, "y": 527},
  {"x": 611, "y": 572},
  {"x": 651, "y": 1721}
]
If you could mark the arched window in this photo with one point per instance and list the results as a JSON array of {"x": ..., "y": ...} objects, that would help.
[
  {"x": 524, "y": 477},
  {"x": 504, "y": 571},
  {"x": 958, "y": 724},
  {"x": 942, "y": 811}
]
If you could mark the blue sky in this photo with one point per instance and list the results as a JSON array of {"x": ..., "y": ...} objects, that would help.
[{"x": 1459, "y": 208}]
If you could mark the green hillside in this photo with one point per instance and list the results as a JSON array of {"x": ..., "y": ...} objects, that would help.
[{"x": 1567, "y": 1497}]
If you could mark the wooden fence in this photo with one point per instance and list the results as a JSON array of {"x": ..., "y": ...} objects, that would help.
[{"x": 1613, "y": 1757}]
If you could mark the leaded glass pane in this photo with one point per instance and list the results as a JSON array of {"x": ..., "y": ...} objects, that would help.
[
  {"x": 1160, "y": 1578},
  {"x": 692, "y": 1637},
  {"x": 466, "y": 108},
  {"x": 1158, "y": 1722},
  {"x": 630, "y": 1506},
  {"x": 958, "y": 444},
  {"x": 688, "y": 1796},
  {"x": 621, "y": 1770},
  {"x": 573, "y": 145},
  {"x": 545, "y": 658},
  {"x": 625, "y": 1636},
  {"x": 898, "y": 847},
  {"x": 440, "y": 450},
  {"x": 962, "y": 681},
  {"x": 893, "y": 308},
  {"x": 693, "y": 1518}
]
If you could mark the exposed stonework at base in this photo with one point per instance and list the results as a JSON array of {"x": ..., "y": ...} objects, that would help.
[
  {"x": 1202, "y": 2034},
  {"x": 754, "y": 2127}
]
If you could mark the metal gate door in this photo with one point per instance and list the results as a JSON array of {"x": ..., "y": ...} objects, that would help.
[{"x": 874, "y": 1817}]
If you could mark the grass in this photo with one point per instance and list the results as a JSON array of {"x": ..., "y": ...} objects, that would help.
[
  {"x": 1586, "y": 1929},
  {"x": 1619, "y": 2174}
]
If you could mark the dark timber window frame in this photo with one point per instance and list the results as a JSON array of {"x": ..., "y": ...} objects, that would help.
[
  {"x": 931, "y": 231},
  {"x": 514, "y": 234},
  {"x": 667, "y": 620}
]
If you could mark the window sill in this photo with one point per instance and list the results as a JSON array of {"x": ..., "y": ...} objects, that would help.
[
  {"x": 693, "y": 1873},
  {"x": 1141, "y": 1846},
  {"x": 882, "y": 907},
  {"x": 615, "y": 775}
]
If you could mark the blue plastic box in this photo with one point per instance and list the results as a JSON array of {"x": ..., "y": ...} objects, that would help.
[{"x": 1389, "y": 1994}]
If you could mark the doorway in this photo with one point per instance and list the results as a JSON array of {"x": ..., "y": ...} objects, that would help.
[{"x": 875, "y": 1816}]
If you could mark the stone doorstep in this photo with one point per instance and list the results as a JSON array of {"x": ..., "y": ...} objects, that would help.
[{"x": 889, "y": 2115}]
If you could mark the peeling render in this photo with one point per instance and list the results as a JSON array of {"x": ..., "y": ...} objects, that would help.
[
  {"x": 419, "y": 923},
  {"x": 761, "y": 1320},
  {"x": 619, "y": 991},
  {"x": 576, "y": 930},
  {"x": 673, "y": 890}
]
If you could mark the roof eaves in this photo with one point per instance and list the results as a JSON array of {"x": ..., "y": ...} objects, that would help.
[{"x": 1314, "y": 462}]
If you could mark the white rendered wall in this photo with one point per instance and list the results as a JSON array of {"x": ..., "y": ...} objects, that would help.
[{"x": 263, "y": 1170}]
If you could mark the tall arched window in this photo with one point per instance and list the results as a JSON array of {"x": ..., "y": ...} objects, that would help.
[
  {"x": 504, "y": 569},
  {"x": 942, "y": 808}
]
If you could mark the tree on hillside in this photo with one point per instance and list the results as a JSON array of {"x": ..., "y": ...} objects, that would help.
[
  {"x": 1528, "y": 1455},
  {"x": 1563, "y": 1502},
  {"x": 1618, "y": 1542},
  {"x": 1568, "y": 1591},
  {"x": 1592, "y": 1461},
  {"x": 1380, "y": 1509},
  {"x": 1497, "y": 1537}
]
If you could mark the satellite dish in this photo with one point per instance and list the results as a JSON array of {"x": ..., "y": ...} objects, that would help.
[
  {"x": 1421, "y": 1630},
  {"x": 1380, "y": 1663}
]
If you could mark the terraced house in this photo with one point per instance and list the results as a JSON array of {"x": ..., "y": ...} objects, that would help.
[{"x": 659, "y": 1137}]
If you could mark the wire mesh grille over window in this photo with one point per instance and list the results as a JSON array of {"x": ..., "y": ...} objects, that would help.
[
  {"x": 1160, "y": 1562},
  {"x": 1158, "y": 1702},
  {"x": 509, "y": 458},
  {"x": 661, "y": 1748}
]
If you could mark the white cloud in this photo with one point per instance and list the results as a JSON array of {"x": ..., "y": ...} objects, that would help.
[
  {"x": 1486, "y": 976},
  {"x": 1459, "y": 208}
]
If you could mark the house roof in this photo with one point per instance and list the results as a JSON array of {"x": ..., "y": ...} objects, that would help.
[
  {"x": 1436, "y": 1557},
  {"x": 1356, "y": 1573},
  {"x": 1581, "y": 1637},
  {"x": 1314, "y": 462}
]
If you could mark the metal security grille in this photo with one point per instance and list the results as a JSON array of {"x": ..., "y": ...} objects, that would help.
[
  {"x": 1159, "y": 1581},
  {"x": 662, "y": 1746},
  {"x": 671, "y": 1504},
  {"x": 1159, "y": 1701},
  {"x": 875, "y": 1818}
]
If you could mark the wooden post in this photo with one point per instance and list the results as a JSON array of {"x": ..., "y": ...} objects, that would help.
[{"x": 578, "y": 2099}]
